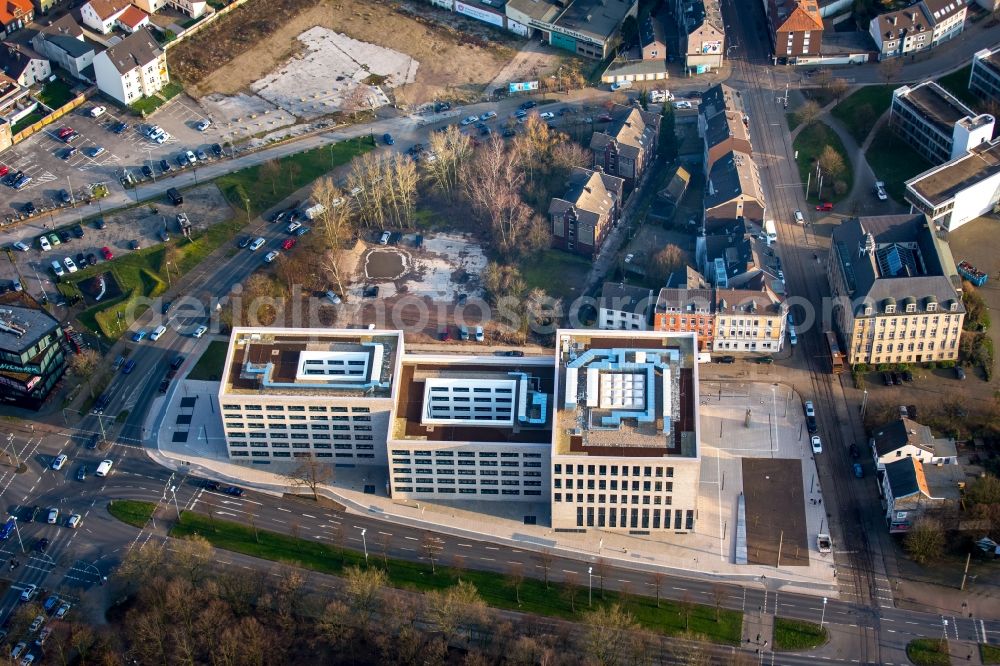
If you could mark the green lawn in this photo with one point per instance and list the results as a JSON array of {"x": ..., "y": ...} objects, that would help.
[
  {"x": 557, "y": 273},
  {"x": 928, "y": 652},
  {"x": 989, "y": 654},
  {"x": 858, "y": 119},
  {"x": 146, "y": 105},
  {"x": 957, "y": 83},
  {"x": 810, "y": 144},
  {"x": 209, "y": 366},
  {"x": 27, "y": 121},
  {"x": 55, "y": 93},
  {"x": 172, "y": 89},
  {"x": 894, "y": 162},
  {"x": 793, "y": 121},
  {"x": 495, "y": 588},
  {"x": 132, "y": 512},
  {"x": 797, "y": 635},
  {"x": 249, "y": 187}
]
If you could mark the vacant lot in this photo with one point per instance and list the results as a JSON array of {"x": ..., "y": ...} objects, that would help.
[{"x": 259, "y": 37}]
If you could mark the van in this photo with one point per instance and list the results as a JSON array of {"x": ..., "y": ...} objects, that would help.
[
  {"x": 256, "y": 245},
  {"x": 104, "y": 468},
  {"x": 175, "y": 196},
  {"x": 157, "y": 333}
]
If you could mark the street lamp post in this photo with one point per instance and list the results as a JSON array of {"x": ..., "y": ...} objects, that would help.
[
  {"x": 590, "y": 586},
  {"x": 364, "y": 542},
  {"x": 763, "y": 583},
  {"x": 822, "y": 616}
]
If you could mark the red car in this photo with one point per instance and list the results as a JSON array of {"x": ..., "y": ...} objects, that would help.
[
  {"x": 106, "y": 253},
  {"x": 4, "y": 170},
  {"x": 825, "y": 207},
  {"x": 288, "y": 244}
]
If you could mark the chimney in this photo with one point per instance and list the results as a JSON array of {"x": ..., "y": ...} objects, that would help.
[{"x": 892, "y": 20}]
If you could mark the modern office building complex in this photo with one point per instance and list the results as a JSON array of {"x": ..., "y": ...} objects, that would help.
[
  {"x": 625, "y": 449},
  {"x": 32, "y": 357},
  {"x": 309, "y": 393},
  {"x": 958, "y": 191},
  {"x": 984, "y": 79},
  {"x": 936, "y": 123},
  {"x": 471, "y": 427}
]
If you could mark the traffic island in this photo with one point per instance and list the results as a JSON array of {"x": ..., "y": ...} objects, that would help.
[
  {"x": 797, "y": 634},
  {"x": 133, "y": 512},
  {"x": 928, "y": 652}
]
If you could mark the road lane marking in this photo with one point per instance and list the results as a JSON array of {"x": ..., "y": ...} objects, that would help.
[
  {"x": 281, "y": 508},
  {"x": 308, "y": 516}
]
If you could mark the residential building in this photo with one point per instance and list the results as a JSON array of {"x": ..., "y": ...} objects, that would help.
[
  {"x": 14, "y": 15},
  {"x": 702, "y": 35},
  {"x": 591, "y": 207},
  {"x": 905, "y": 438},
  {"x": 42, "y": 7},
  {"x": 984, "y": 80},
  {"x": 589, "y": 28},
  {"x": 102, "y": 15},
  {"x": 733, "y": 190},
  {"x": 911, "y": 489},
  {"x": 731, "y": 257},
  {"x": 23, "y": 64},
  {"x": 625, "y": 437},
  {"x": 13, "y": 97},
  {"x": 748, "y": 321},
  {"x": 651, "y": 39},
  {"x": 795, "y": 28},
  {"x": 472, "y": 428},
  {"x": 134, "y": 68},
  {"x": 901, "y": 32},
  {"x": 628, "y": 145},
  {"x": 725, "y": 133},
  {"x": 687, "y": 310},
  {"x": 193, "y": 8},
  {"x": 958, "y": 191},
  {"x": 935, "y": 123},
  {"x": 920, "y": 26},
  {"x": 62, "y": 42},
  {"x": 132, "y": 19},
  {"x": 719, "y": 99},
  {"x": 309, "y": 393},
  {"x": 896, "y": 292},
  {"x": 32, "y": 355},
  {"x": 624, "y": 307},
  {"x": 673, "y": 192}
]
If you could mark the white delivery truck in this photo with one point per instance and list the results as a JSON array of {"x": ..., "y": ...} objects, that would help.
[
  {"x": 312, "y": 212},
  {"x": 770, "y": 232}
]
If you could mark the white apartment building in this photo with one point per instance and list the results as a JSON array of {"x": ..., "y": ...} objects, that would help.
[
  {"x": 960, "y": 190},
  {"x": 625, "y": 438},
  {"x": 624, "y": 307},
  {"x": 193, "y": 8},
  {"x": 936, "y": 123},
  {"x": 134, "y": 68},
  {"x": 471, "y": 427},
  {"x": 309, "y": 393}
]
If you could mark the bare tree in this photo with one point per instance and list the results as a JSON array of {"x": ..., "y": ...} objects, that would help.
[
  {"x": 431, "y": 546},
  {"x": 450, "y": 149},
  {"x": 601, "y": 569},
  {"x": 607, "y": 634},
  {"x": 335, "y": 222},
  {"x": 458, "y": 605},
  {"x": 271, "y": 170},
  {"x": 515, "y": 572},
  {"x": 365, "y": 592},
  {"x": 84, "y": 365},
  {"x": 666, "y": 260},
  {"x": 808, "y": 113},
  {"x": 718, "y": 596},
  {"x": 925, "y": 541},
  {"x": 571, "y": 587},
  {"x": 658, "y": 580},
  {"x": 890, "y": 69},
  {"x": 458, "y": 565},
  {"x": 566, "y": 155},
  {"x": 311, "y": 473},
  {"x": 544, "y": 559},
  {"x": 383, "y": 543},
  {"x": 292, "y": 169},
  {"x": 837, "y": 87},
  {"x": 687, "y": 607},
  {"x": 192, "y": 556},
  {"x": 831, "y": 162}
]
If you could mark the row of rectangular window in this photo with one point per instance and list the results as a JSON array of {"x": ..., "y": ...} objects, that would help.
[
  {"x": 602, "y": 484},
  {"x": 467, "y": 491},
  {"x": 603, "y": 470},
  {"x": 613, "y": 499},
  {"x": 297, "y": 408},
  {"x": 465, "y": 454},
  {"x": 283, "y": 454},
  {"x": 633, "y": 519}
]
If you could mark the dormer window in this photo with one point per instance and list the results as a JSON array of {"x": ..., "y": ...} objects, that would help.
[
  {"x": 953, "y": 306},
  {"x": 868, "y": 311},
  {"x": 932, "y": 307},
  {"x": 890, "y": 309},
  {"x": 911, "y": 307}
]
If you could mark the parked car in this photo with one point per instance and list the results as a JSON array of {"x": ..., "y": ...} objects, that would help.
[
  {"x": 58, "y": 269},
  {"x": 20, "y": 246},
  {"x": 62, "y": 610},
  {"x": 959, "y": 373},
  {"x": 270, "y": 256},
  {"x": 97, "y": 111},
  {"x": 202, "y": 155},
  {"x": 817, "y": 444},
  {"x": 139, "y": 335},
  {"x": 825, "y": 207},
  {"x": 217, "y": 149},
  {"x": 809, "y": 408},
  {"x": 59, "y": 461},
  {"x": 53, "y": 516},
  {"x": 106, "y": 253},
  {"x": 234, "y": 491},
  {"x": 95, "y": 151},
  {"x": 880, "y": 191},
  {"x": 204, "y": 124},
  {"x": 288, "y": 244},
  {"x": 147, "y": 171},
  {"x": 859, "y": 471},
  {"x": 81, "y": 474},
  {"x": 165, "y": 166},
  {"x": 70, "y": 265},
  {"x": 387, "y": 139},
  {"x": 29, "y": 591}
]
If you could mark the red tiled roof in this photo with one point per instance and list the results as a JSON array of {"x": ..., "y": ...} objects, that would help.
[
  {"x": 132, "y": 17},
  {"x": 11, "y": 10},
  {"x": 804, "y": 16}
]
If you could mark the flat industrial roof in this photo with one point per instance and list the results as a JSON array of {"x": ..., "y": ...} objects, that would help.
[
  {"x": 936, "y": 105},
  {"x": 596, "y": 18},
  {"x": 21, "y": 324},
  {"x": 936, "y": 186}
]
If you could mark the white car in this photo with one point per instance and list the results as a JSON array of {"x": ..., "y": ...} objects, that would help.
[
  {"x": 817, "y": 444},
  {"x": 53, "y": 517},
  {"x": 43, "y": 243},
  {"x": 70, "y": 265},
  {"x": 270, "y": 256},
  {"x": 97, "y": 111},
  {"x": 546, "y": 115},
  {"x": 204, "y": 124},
  {"x": 28, "y": 593},
  {"x": 683, "y": 105},
  {"x": 620, "y": 85},
  {"x": 74, "y": 521},
  {"x": 154, "y": 132},
  {"x": 880, "y": 191},
  {"x": 629, "y": 257},
  {"x": 799, "y": 218},
  {"x": 59, "y": 461},
  {"x": 191, "y": 157},
  {"x": 256, "y": 245},
  {"x": 292, "y": 226},
  {"x": 162, "y": 138},
  {"x": 200, "y": 331},
  {"x": 470, "y": 120},
  {"x": 489, "y": 115},
  {"x": 810, "y": 410}
]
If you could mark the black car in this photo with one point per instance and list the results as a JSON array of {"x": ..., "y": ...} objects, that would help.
[
  {"x": 64, "y": 236},
  {"x": 217, "y": 150},
  {"x": 887, "y": 379},
  {"x": 234, "y": 491},
  {"x": 164, "y": 166},
  {"x": 442, "y": 106},
  {"x": 370, "y": 291},
  {"x": 166, "y": 306},
  {"x": 164, "y": 385},
  {"x": 854, "y": 451},
  {"x": 509, "y": 132},
  {"x": 68, "y": 153},
  {"x": 29, "y": 208},
  {"x": 92, "y": 443},
  {"x": 727, "y": 359},
  {"x": 134, "y": 245},
  {"x": 120, "y": 127},
  {"x": 147, "y": 171},
  {"x": 528, "y": 105},
  {"x": 245, "y": 242},
  {"x": 100, "y": 223},
  {"x": 81, "y": 260},
  {"x": 91, "y": 259},
  {"x": 81, "y": 474},
  {"x": 212, "y": 485},
  {"x": 897, "y": 378},
  {"x": 693, "y": 94},
  {"x": 42, "y": 545},
  {"x": 811, "y": 424},
  {"x": 65, "y": 196},
  {"x": 78, "y": 231},
  {"x": 516, "y": 353},
  {"x": 907, "y": 376}
]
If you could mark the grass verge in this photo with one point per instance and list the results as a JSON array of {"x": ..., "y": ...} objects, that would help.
[
  {"x": 797, "y": 635},
  {"x": 793, "y": 121},
  {"x": 556, "y": 273},
  {"x": 554, "y": 599},
  {"x": 253, "y": 188},
  {"x": 810, "y": 144},
  {"x": 989, "y": 654},
  {"x": 55, "y": 94},
  {"x": 209, "y": 366},
  {"x": 894, "y": 162},
  {"x": 133, "y": 512},
  {"x": 928, "y": 652},
  {"x": 862, "y": 108},
  {"x": 28, "y": 121}
]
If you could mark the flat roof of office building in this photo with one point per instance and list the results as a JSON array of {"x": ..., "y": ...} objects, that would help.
[
  {"x": 935, "y": 105},
  {"x": 936, "y": 186},
  {"x": 22, "y": 322}
]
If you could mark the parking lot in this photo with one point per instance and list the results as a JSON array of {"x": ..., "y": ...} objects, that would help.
[
  {"x": 45, "y": 158},
  {"x": 203, "y": 205}
]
